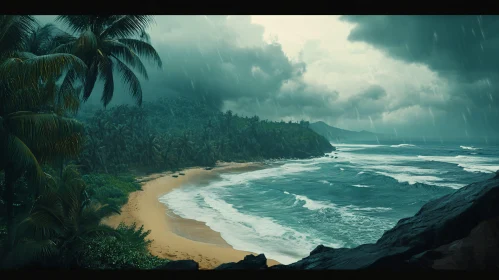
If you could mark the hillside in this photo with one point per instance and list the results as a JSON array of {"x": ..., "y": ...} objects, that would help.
[
  {"x": 337, "y": 134},
  {"x": 178, "y": 132}
]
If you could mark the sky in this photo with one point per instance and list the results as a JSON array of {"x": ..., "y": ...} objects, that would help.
[{"x": 431, "y": 76}]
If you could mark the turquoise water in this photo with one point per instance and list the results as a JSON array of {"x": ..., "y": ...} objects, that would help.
[{"x": 287, "y": 209}]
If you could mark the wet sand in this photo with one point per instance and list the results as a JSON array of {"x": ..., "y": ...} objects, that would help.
[{"x": 174, "y": 237}]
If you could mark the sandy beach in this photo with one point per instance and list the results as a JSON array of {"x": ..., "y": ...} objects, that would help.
[{"x": 173, "y": 237}]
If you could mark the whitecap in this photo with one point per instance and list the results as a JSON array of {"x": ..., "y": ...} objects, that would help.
[
  {"x": 469, "y": 148},
  {"x": 361, "y": 186},
  {"x": 402, "y": 145},
  {"x": 325, "y": 182},
  {"x": 427, "y": 180},
  {"x": 275, "y": 172},
  {"x": 468, "y": 163}
]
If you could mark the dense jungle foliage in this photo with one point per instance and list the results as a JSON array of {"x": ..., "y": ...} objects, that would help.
[
  {"x": 177, "y": 132},
  {"x": 62, "y": 170}
]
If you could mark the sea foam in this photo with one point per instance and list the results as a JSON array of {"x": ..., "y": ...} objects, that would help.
[
  {"x": 242, "y": 231},
  {"x": 468, "y": 163}
]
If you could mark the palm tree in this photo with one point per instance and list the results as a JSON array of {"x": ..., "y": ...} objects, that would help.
[
  {"x": 109, "y": 43},
  {"x": 185, "y": 147},
  {"x": 29, "y": 131},
  {"x": 59, "y": 222},
  {"x": 41, "y": 41}
]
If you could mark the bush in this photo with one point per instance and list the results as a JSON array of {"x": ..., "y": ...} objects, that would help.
[
  {"x": 128, "y": 251},
  {"x": 110, "y": 189}
]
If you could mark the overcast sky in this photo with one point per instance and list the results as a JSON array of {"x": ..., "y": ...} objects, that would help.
[{"x": 433, "y": 76}]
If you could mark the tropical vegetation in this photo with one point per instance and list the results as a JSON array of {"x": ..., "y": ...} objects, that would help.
[
  {"x": 64, "y": 167},
  {"x": 177, "y": 132}
]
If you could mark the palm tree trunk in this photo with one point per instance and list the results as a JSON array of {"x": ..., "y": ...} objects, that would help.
[
  {"x": 9, "y": 207},
  {"x": 61, "y": 167}
]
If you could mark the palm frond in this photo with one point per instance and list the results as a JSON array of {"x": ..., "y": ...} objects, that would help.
[
  {"x": 86, "y": 43},
  {"x": 72, "y": 195},
  {"x": 99, "y": 230},
  {"x": 143, "y": 49},
  {"x": 69, "y": 93},
  {"x": 144, "y": 36},
  {"x": 40, "y": 39},
  {"x": 58, "y": 39},
  {"x": 94, "y": 212},
  {"x": 76, "y": 23},
  {"x": 90, "y": 79},
  {"x": 70, "y": 100},
  {"x": 129, "y": 78},
  {"x": 67, "y": 97},
  {"x": 127, "y": 26},
  {"x": 68, "y": 47},
  {"x": 48, "y": 135},
  {"x": 24, "y": 98},
  {"x": 123, "y": 52},
  {"x": 70, "y": 173},
  {"x": 44, "y": 222},
  {"x": 106, "y": 73},
  {"x": 43, "y": 97},
  {"x": 28, "y": 70},
  {"x": 14, "y": 32},
  {"x": 15, "y": 155},
  {"x": 28, "y": 251}
]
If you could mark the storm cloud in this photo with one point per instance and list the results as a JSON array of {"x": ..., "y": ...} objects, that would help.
[
  {"x": 462, "y": 50},
  {"x": 226, "y": 61},
  {"x": 419, "y": 76}
]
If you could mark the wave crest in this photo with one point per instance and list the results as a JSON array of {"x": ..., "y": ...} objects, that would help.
[{"x": 402, "y": 145}]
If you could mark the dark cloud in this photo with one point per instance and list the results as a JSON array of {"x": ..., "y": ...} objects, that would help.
[
  {"x": 225, "y": 61},
  {"x": 450, "y": 45},
  {"x": 461, "y": 49}
]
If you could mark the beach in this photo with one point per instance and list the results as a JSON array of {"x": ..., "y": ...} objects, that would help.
[{"x": 176, "y": 238}]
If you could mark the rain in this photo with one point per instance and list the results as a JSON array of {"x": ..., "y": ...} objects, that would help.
[{"x": 427, "y": 82}]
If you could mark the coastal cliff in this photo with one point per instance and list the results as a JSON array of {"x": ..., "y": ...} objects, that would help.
[{"x": 456, "y": 231}]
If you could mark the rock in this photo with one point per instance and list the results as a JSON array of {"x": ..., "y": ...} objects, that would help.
[
  {"x": 249, "y": 262},
  {"x": 180, "y": 265},
  {"x": 174, "y": 176},
  {"x": 439, "y": 222},
  {"x": 181, "y": 173},
  {"x": 208, "y": 168},
  {"x": 479, "y": 250},
  {"x": 320, "y": 249}
]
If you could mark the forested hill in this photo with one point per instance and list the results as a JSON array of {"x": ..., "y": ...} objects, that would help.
[{"x": 177, "y": 132}]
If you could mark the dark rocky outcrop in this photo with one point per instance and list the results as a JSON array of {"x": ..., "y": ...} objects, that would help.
[
  {"x": 249, "y": 262},
  {"x": 424, "y": 240},
  {"x": 479, "y": 250},
  {"x": 180, "y": 265}
]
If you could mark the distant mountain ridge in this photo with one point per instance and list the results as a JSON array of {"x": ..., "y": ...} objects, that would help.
[{"x": 337, "y": 134}]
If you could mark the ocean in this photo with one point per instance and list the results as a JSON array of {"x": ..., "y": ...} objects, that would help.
[{"x": 345, "y": 199}]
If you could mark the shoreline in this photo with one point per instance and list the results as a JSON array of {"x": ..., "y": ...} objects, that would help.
[{"x": 174, "y": 237}]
